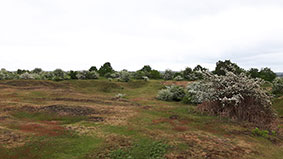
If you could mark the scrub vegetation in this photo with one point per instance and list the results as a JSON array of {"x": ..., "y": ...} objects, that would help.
[{"x": 103, "y": 113}]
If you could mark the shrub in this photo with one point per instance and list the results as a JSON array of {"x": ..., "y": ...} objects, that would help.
[
  {"x": 145, "y": 78},
  {"x": 168, "y": 75},
  {"x": 6, "y": 75},
  {"x": 92, "y": 75},
  {"x": 120, "y": 95},
  {"x": 154, "y": 74},
  {"x": 238, "y": 97},
  {"x": 196, "y": 93},
  {"x": 59, "y": 75},
  {"x": 178, "y": 78},
  {"x": 124, "y": 76},
  {"x": 277, "y": 87},
  {"x": 171, "y": 93},
  {"x": 26, "y": 76},
  {"x": 73, "y": 74},
  {"x": 87, "y": 75},
  {"x": 258, "y": 132}
]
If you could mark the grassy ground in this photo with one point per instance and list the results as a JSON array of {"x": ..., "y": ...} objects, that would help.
[{"x": 84, "y": 120}]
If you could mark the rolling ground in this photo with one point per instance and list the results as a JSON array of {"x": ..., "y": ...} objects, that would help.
[{"x": 84, "y": 120}]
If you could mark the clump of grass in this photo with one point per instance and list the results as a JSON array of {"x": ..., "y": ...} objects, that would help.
[
  {"x": 143, "y": 149},
  {"x": 263, "y": 133}
]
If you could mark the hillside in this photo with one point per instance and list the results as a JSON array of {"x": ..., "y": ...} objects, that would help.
[{"x": 85, "y": 119}]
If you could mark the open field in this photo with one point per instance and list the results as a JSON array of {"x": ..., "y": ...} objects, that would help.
[{"x": 82, "y": 119}]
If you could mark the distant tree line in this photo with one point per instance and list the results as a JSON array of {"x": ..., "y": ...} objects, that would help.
[{"x": 145, "y": 73}]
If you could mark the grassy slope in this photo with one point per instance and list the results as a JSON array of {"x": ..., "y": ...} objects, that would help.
[{"x": 156, "y": 129}]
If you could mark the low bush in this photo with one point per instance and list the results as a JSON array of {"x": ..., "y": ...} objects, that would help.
[
  {"x": 124, "y": 76},
  {"x": 178, "y": 78},
  {"x": 87, "y": 75},
  {"x": 196, "y": 93},
  {"x": 26, "y": 76},
  {"x": 258, "y": 132},
  {"x": 171, "y": 93},
  {"x": 277, "y": 87}
]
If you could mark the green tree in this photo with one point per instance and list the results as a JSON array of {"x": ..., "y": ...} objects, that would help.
[
  {"x": 254, "y": 73},
  {"x": 223, "y": 66},
  {"x": 93, "y": 68},
  {"x": 154, "y": 74},
  {"x": 73, "y": 74},
  {"x": 146, "y": 68},
  {"x": 267, "y": 74},
  {"x": 187, "y": 73},
  {"x": 106, "y": 68},
  {"x": 199, "y": 68},
  {"x": 36, "y": 70}
]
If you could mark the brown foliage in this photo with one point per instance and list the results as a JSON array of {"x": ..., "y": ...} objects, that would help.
[{"x": 248, "y": 110}]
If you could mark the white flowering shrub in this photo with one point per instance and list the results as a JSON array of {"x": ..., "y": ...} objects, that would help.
[
  {"x": 277, "y": 87},
  {"x": 171, "y": 93},
  {"x": 87, "y": 75},
  {"x": 124, "y": 76},
  {"x": 59, "y": 75},
  {"x": 196, "y": 93},
  {"x": 165, "y": 95},
  {"x": 168, "y": 75},
  {"x": 238, "y": 97},
  {"x": 178, "y": 78},
  {"x": 26, "y": 76},
  {"x": 6, "y": 75}
]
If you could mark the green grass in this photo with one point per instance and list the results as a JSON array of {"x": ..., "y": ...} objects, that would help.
[
  {"x": 278, "y": 106},
  {"x": 62, "y": 147},
  {"x": 142, "y": 149}
]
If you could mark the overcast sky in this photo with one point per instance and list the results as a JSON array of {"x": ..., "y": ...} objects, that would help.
[{"x": 77, "y": 34}]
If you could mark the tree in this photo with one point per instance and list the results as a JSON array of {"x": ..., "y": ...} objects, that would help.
[
  {"x": 93, "y": 68},
  {"x": 73, "y": 74},
  {"x": 168, "y": 75},
  {"x": 199, "y": 68},
  {"x": 106, "y": 68},
  {"x": 254, "y": 73},
  {"x": 146, "y": 68},
  {"x": 36, "y": 70},
  {"x": 154, "y": 74},
  {"x": 19, "y": 71},
  {"x": 267, "y": 74},
  {"x": 223, "y": 66},
  {"x": 187, "y": 73}
]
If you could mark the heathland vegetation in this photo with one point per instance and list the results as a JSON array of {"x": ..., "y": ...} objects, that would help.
[{"x": 227, "y": 113}]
